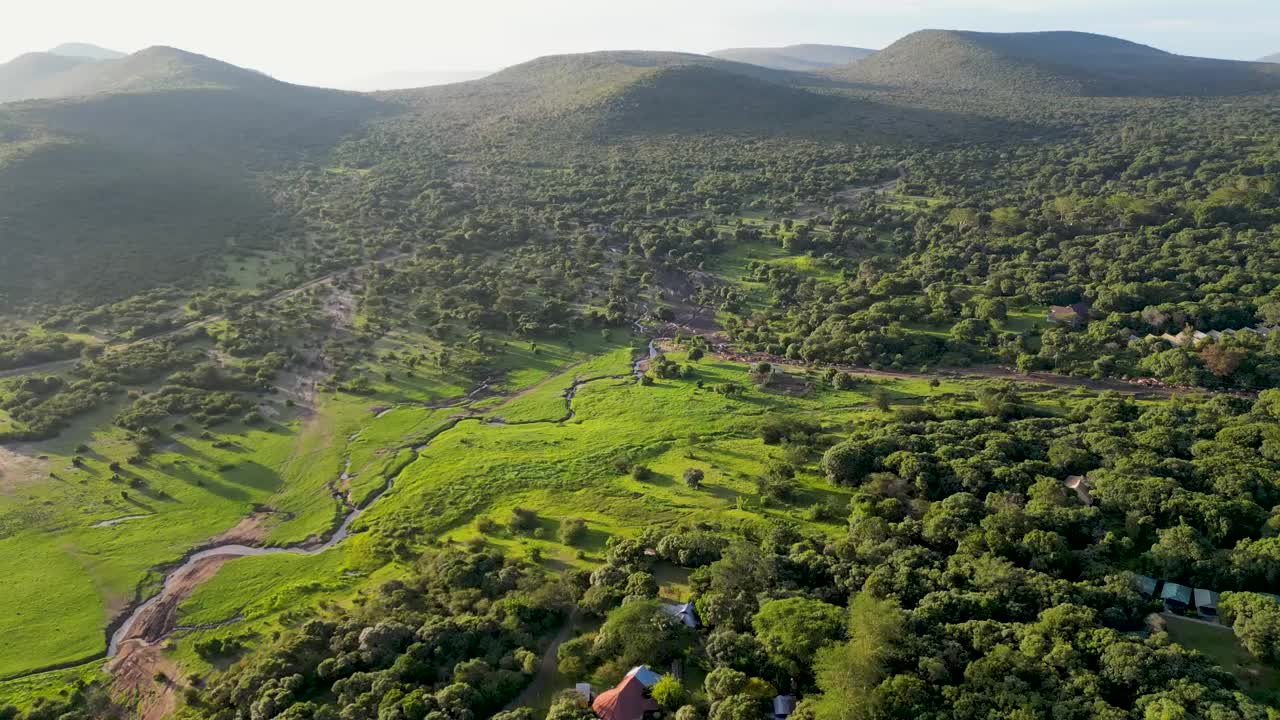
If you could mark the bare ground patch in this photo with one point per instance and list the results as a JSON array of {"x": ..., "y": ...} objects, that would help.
[
  {"x": 143, "y": 677},
  {"x": 19, "y": 466}
]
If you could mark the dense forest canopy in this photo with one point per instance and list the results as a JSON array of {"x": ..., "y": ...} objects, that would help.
[{"x": 941, "y": 356}]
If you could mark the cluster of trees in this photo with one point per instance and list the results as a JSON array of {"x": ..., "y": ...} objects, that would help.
[
  {"x": 25, "y": 347},
  {"x": 458, "y": 639}
]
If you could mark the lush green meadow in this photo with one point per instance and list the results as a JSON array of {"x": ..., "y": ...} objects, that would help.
[{"x": 84, "y": 531}]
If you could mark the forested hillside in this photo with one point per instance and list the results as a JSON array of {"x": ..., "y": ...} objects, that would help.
[
  {"x": 156, "y": 176},
  {"x": 944, "y": 385},
  {"x": 1053, "y": 63}
]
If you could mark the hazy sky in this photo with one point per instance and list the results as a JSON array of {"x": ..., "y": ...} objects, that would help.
[{"x": 327, "y": 42}]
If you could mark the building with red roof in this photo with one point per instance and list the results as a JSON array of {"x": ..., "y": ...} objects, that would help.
[{"x": 629, "y": 699}]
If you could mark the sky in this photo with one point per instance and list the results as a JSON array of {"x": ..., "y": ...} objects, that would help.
[{"x": 343, "y": 43}]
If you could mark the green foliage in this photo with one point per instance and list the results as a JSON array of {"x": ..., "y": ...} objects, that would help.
[
  {"x": 849, "y": 673},
  {"x": 791, "y": 631},
  {"x": 668, "y": 692},
  {"x": 1256, "y": 621}
]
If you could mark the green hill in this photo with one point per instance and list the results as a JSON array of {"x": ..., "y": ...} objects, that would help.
[
  {"x": 107, "y": 194},
  {"x": 55, "y": 75},
  {"x": 608, "y": 93},
  {"x": 798, "y": 58},
  {"x": 1053, "y": 63}
]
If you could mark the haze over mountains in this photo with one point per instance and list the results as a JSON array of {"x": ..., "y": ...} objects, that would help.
[
  {"x": 58, "y": 75},
  {"x": 799, "y": 58},
  {"x": 86, "y": 50},
  {"x": 411, "y": 79},
  {"x": 1274, "y": 58}
]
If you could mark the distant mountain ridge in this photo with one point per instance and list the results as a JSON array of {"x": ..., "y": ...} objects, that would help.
[
  {"x": 86, "y": 50},
  {"x": 1273, "y": 58},
  {"x": 137, "y": 171},
  {"x": 1052, "y": 63},
  {"x": 50, "y": 75},
  {"x": 603, "y": 94},
  {"x": 797, "y": 58}
]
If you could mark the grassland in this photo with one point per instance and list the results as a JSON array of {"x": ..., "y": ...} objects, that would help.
[
  {"x": 518, "y": 446},
  {"x": 82, "y": 539},
  {"x": 1257, "y": 678}
]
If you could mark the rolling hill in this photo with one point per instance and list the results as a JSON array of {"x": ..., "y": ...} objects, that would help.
[
  {"x": 85, "y": 50},
  {"x": 24, "y": 77},
  {"x": 620, "y": 92},
  {"x": 53, "y": 75},
  {"x": 148, "y": 174},
  {"x": 1052, "y": 63},
  {"x": 797, "y": 58}
]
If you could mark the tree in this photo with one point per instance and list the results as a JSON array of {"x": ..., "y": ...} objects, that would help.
[
  {"x": 792, "y": 630},
  {"x": 570, "y": 708},
  {"x": 693, "y": 477},
  {"x": 737, "y": 707},
  {"x": 572, "y": 530},
  {"x": 722, "y": 682},
  {"x": 688, "y": 712},
  {"x": 696, "y": 354},
  {"x": 668, "y": 692},
  {"x": 848, "y": 674},
  {"x": 1181, "y": 552},
  {"x": 1222, "y": 361},
  {"x": 882, "y": 399},
  {"x": 848, "y": 462},
  {"x": 642, "y": 632},
  {"x": 1256, "y": 621}
]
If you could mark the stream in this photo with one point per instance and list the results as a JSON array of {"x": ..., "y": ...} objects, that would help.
[
  {"x": 232, "y": 550},
  {"x": 175, "y": 576}
]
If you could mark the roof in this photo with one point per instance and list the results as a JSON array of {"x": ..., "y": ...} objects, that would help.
[
  {"x": 1206, "y": 598},
  {"x": 625, "y": 701},
  {"x": 1176, "y": 593},
  {"x": 1145, "y": 585},
  {"x": 645, "y": 675},
  {"x": 784, "y": 705},
  {"x": 1080, "y": 484},
  {"x": 1074, "y": 312},
  {"x": 685, "y": 613}
]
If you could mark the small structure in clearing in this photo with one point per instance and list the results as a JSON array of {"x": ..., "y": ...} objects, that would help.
[
  {"x": 1080, "y": 484},
  {"x": 1176, "y": 597},
  {"x": 1077, "y": 313},
  {"x": 686, "y": 613},
  {"x": 1206, "y": 602},
  {"x": 1145, "y": 585}
]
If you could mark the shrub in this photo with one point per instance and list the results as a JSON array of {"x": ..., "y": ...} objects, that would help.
[
  {"x": 572, "y": 530},
  {"x": 522, "y": 520},
  {"x": 693, "y": 477},
  {"x": 641, "y": 473},
  {"x": 668, "y": 691}
]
